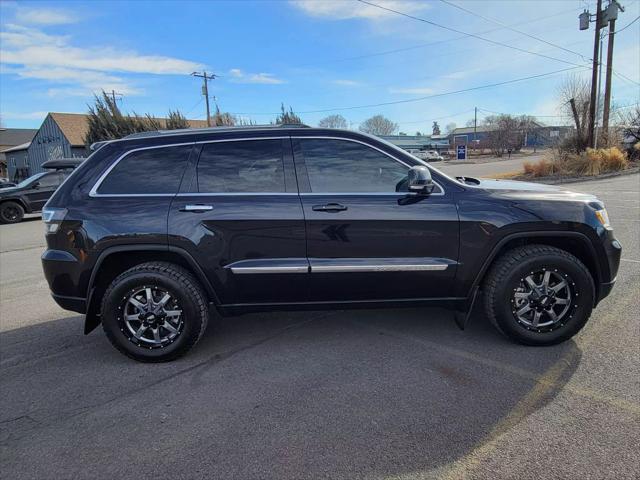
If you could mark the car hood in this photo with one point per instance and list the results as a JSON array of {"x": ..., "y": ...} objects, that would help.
[
  {"x": 9, "y": 190},
  {"x": 516, "y": 190}
]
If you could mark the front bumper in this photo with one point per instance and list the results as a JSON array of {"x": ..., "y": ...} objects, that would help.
[{"x": 613, "y": 251}]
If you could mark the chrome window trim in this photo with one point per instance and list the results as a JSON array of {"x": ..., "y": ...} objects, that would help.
[
  {"x": 439, "y": 194},
  {"x": 94, "y": 190}
]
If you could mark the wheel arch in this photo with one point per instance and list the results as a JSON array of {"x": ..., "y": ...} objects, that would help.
[
  {"x": 115, "y": 260},
  {"x": 18, "y": 200},
  {"x": 575, "y": 243}
]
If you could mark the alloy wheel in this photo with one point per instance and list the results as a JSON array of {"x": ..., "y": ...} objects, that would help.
[
  {"x": 151, "y": 317},
  {"x": 544, "y": 300}
]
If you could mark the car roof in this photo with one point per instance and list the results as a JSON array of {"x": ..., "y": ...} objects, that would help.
[{"x": 206, "y": 134}]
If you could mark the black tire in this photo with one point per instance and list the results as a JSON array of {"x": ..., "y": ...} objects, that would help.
[
  {"x": 11, "y": 212},
  {"x": 507, "y": 276},
  {"x": 165, "y": 277}
]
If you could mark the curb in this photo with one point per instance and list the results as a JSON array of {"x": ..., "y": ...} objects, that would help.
[{"x": 556, "y": 180}]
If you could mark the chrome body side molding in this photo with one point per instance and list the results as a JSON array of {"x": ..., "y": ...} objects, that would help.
[{"x": 338, "y": 265}]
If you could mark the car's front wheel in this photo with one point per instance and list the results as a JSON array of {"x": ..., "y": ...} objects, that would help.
[
  {"x": 539, "y": 295},
  {"x": 154, "y": 312},
  {"x": 11, "y": 212}
]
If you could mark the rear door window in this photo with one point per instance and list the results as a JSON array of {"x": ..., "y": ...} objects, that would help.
[
  {"x": 246, "y": 166},
  {"x": 150, "y": 171}
]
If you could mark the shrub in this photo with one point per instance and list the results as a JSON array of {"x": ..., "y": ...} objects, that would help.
[
  {"x": 589, "y": 163},
  {"x": 542, "y": 168},
  {"x": 613, "y": 159}
]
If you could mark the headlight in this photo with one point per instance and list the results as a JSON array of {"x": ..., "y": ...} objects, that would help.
[
  {"x": 52, "y": 218},
  {"x": 603, "y": 217}
]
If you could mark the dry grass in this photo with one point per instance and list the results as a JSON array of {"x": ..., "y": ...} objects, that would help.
[
  {"x": 590, "y": 163},
  {"x": 543, "y": 168}
]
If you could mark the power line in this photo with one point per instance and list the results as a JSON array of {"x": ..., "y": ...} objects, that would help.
[
  {"x": 629, "y": 24},
  {"x": 418, "y": 99},
  {"x": 472, "y": 35},
  {"x": 429, "y": 44},
  {"x": 447, "y": 2},
  {"x": 624, "y": 77}
]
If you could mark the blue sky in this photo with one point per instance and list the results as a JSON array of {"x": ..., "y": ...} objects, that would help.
[{"x": 312, "y": 55}]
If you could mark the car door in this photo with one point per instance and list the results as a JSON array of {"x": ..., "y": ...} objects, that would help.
[
  {"x": 365, "y": 240},
  {"x": 241, "y": 219},
  {"x": 42, "y": 189}
]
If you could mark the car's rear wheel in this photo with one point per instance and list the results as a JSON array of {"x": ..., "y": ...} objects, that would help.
[
  {"x": 539, "y": 295},
  {"x": 154, "y": 312},
  {"x": 11, "y": 212}
]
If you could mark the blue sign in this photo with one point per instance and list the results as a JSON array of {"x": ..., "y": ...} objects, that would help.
[{"x": 461, "y": 152}]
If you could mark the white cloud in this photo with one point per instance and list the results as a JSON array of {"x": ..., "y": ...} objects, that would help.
[
  {"x": 413, "y": 90},
  {"x": 24, "y": 115},
  {"x": 347, "y": 83},
  {"x": 44, "y": 16},
  {"x": 33, "y": 48},
  {"x": 31, "y": 53},
  {"x": 238, "y": 76},
  {"x": 343, "y": 9}
]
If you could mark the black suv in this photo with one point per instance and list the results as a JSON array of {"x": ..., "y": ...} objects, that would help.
[
  {"x": 155, "y": 232},
  {"x": 30, "y": 195}
]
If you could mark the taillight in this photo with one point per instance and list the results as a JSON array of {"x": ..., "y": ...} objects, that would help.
[{"x": 52, "y": 218}]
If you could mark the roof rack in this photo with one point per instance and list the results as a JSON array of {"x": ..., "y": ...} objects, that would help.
[{"x": 179, "y": 131}]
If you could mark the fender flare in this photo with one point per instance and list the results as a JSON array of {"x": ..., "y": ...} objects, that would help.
[
  {"x": 513, "y": 236},
  {"x": 25, "y": 205},
  {"x": 92, "y": 317}
]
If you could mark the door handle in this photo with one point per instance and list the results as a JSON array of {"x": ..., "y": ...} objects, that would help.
[
  {"x": 196, "y": 208},
  {"x": 329, "y": 207}
]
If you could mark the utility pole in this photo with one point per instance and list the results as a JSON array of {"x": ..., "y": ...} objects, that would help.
[
  {"x": 205, "y": 90},
  {"x": 594, "y": 77},
  {"x": 612, "y": 14},
  {"x": 595, "y": 129}
]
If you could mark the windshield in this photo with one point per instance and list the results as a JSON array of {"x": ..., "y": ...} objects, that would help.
[{"x": 26, "y": 182}]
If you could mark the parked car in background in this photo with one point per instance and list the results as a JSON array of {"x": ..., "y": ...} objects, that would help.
[
  {"x": 30, "y": 195},
  {"x": 5, "y": 183},
  {"x": 156, "y": 231},
  {"x": 432, "y": 156}
]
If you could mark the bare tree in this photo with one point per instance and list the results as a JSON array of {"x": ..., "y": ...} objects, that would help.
[
  {"x": 504, "y": 133},
  {"x": 288, "y": 117},
  {"x": 470, "y": 123},
  {"x": 378, "y": 125},
  {"x": 333, "y": 121},
  {"x": 450, "y": 127},
  {"x": 575, "y": 96},
  {"x": 223, "y": 119}
]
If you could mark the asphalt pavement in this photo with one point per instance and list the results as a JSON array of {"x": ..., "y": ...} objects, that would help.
[{"x": 376, "y": 394}]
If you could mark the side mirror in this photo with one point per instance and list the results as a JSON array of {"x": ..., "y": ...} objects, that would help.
[{"x": 420, "y": 180}]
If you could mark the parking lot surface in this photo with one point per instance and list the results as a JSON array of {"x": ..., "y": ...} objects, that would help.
[{"x": 393, "y": 394}]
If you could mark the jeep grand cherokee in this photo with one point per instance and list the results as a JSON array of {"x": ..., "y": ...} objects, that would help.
[{"x": 155, "y": 232}]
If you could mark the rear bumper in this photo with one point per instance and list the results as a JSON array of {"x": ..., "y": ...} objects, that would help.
[
  {"x": 75, "y": 304},
  {"x": 61, "y": 271}
]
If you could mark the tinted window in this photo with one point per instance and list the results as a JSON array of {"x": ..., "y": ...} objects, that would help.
[
  {"x": 51, "y": 180},
  {"x": 157, "y": 170},
  {"x": 343, "y": 166},
  {"x": 243, "y": 166}
]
